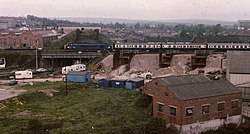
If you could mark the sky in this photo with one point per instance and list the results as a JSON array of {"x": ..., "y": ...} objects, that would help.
[{"x": 227, "y": 10}]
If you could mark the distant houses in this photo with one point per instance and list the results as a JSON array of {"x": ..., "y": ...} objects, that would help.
[{"x": 194, "y": 103}]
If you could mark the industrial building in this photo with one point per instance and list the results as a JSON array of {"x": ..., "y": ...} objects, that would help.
[{"x": 194, "y": 102}]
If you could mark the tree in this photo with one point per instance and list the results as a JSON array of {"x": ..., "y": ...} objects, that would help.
[
  {"x": 137, "y": 25},
  {"x": 217, "y": 29}
]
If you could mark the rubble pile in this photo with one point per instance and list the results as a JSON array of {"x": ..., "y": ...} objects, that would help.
[
  {"x": 180, "y": 64},
  {"x": 149, "y": 63},
  {"x": 120, "y": 71},
  {"x": 107, "y": 64},
  {"x": 144, "y": 62},
  {"x": 182, "y": 60},
  {"x": 214, "y": 63},
  {"x": 49, "y": 92}
]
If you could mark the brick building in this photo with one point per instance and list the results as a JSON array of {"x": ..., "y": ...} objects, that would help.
[
  {"x": 27, "y": 39},
  {"x": 193, "y": 102}
]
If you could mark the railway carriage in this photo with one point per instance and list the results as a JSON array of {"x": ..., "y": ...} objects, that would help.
[
  {"x": 228, "y": 46},
  {"x": 137, "y": 46},
  {"x": 183, "y": 46}
]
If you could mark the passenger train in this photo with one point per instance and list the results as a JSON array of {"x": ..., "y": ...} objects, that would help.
[
  {"x": 160, "y": 46},
  {"x": 182, "y": 46}
]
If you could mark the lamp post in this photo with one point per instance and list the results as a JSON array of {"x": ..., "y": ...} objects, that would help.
[
  {"x": 36, "y": 54},
  {"x": 79, "y": 52},
  {"x": 36, "y": 59}
]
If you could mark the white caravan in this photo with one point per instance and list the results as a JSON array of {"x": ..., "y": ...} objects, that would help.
[
  {"x": 23, "y": 74},
  {"x": 76, "y": 67}
]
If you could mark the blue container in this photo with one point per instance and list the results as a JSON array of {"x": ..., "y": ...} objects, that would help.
[
  {"x": 104, "y": 83},
  {"x": 118, "y": 83},
  {"x": 133, "y": 84},
  {"x": 77, "y": 76}
]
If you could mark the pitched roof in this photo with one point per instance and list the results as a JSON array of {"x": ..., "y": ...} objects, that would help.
[{"x": 188, "y": 87}]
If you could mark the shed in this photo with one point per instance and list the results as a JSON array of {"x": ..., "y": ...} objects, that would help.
[
  {"x": 104, "y": 83},
  {"x": 134, "y": 83},
  {"x": 76, "y": 76},
  {"x": 118, "y": 83}
]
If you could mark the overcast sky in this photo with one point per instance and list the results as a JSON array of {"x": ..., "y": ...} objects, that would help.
[{"x": 230, "y": 10}]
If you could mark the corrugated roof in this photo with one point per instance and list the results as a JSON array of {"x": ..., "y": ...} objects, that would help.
[
  {"x": 238, "y": 62},
  {"x": 183, "y": 79},
  {"x": 188, "y": 87}
]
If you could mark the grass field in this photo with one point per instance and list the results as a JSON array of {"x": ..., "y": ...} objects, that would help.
[{"x": 86, "y": 109}]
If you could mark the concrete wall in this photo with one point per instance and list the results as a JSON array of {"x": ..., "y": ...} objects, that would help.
[
  {"x": 238, "y": 79},
  {"x": 203, "y": 126}
]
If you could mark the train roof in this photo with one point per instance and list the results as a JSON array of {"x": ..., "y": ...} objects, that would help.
[
  {"x": 225, "y": 44},
  {"x": 86, "y": 44}
]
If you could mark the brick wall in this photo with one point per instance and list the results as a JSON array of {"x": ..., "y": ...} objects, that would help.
[
  {"x": 162, "y": 95},
  {"x": 23, "y": 40}
]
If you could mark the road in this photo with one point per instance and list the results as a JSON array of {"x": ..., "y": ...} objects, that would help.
[
  {"x": 12, "y": 91},
  {"x": 6, "y": 93},
  {"x": 33, "y": 80}
]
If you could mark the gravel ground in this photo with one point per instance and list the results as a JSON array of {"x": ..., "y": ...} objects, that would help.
[
  {"x": 8, "y": 92},
  {"x": 12, "y": 91}
]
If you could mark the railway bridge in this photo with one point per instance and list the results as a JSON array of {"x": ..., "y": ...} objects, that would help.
[{"x": 62, "y": 58}]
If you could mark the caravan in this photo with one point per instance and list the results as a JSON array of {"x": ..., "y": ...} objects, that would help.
[
  {"x": 23, "y": 74},
  {"x": 76, "y": 67},
  {"x": 2, "y": 63}
]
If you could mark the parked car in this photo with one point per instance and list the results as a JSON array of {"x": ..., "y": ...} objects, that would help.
[
  {"x": 12, "y": 82},
  {"x": 41, "y": 70}
]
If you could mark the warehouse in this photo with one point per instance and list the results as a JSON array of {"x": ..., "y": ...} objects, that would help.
[{"x": 186, "y": 102}]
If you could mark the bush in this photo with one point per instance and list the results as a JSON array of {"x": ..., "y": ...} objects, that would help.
[{"x": 144, "y": 101}]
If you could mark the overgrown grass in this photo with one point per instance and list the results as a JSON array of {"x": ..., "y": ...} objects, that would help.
[{"x": 85, "y": 109}]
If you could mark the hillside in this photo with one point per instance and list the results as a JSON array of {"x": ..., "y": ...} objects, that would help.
[{"x": 84, "y": 110}]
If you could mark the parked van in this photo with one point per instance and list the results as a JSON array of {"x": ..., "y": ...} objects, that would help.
[
  {"x": 76, "y": 67},
  {"x": 23, "y": 74}
]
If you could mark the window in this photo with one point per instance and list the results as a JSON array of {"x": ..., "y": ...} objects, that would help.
[
  {"x": 221, "y": 106},
  {"x": 235, "y": 104},
  {"x": 189, "y": 111},
  {"x": 205, "y": 109},
  {"x": 160, "y": 107},
  {"x": 172, "y": 110}
]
